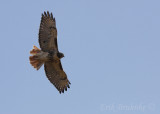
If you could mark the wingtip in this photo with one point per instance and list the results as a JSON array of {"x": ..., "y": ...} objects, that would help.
[
  {"x": 51, "y": 15},
  {"x": 45, "y": 13},
  {"x": 42, "y": 15},
  {"x": 48, "y": 14}
]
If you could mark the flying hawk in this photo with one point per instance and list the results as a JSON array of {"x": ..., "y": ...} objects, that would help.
[{"x": 49, "y": 54}]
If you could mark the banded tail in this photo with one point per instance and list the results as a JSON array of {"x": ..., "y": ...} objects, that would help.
[{"x": 34, "y": 59}]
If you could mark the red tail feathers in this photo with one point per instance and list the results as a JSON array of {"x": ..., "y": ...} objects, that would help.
[{"x": 35, "y": 62}]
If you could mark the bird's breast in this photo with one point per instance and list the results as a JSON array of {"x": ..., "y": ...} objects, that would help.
[{"x": 52, "y": 56}]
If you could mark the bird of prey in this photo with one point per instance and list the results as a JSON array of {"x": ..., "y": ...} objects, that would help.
[{"x": 49, "y": 54}]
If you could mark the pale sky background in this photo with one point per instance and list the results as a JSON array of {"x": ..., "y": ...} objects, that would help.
[{"x": 112, "y": 57}]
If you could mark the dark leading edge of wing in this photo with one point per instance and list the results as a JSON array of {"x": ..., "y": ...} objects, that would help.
[{"x": 48, "y": 33}]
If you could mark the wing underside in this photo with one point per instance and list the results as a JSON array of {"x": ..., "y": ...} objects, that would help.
[
  {"x": 48, "y": 33},
  {"x": 56, "y": 75}
]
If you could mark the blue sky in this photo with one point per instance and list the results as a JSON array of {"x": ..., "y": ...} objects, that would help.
[{"x": 112, "y": 57}]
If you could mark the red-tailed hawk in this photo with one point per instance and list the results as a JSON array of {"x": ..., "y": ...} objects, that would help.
[{"x": 49, "y": 54}]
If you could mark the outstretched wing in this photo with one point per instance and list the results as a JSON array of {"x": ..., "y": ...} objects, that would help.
[
  {"x": 48, "y": 33},
  {"x": 56, "y": 75}
]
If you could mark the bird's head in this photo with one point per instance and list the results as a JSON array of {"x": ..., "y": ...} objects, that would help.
[{"x": 60, "y": 55}]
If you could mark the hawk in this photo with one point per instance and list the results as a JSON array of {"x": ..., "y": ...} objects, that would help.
[{"x": 49, "y": 54}]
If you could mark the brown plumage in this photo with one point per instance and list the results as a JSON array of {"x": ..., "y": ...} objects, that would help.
[{"x": 49, "y": 54}]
